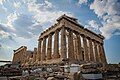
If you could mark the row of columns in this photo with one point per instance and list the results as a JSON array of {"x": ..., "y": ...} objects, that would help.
[{"x": 95, "y": 51}]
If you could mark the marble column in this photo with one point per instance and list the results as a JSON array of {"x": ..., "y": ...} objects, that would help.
[
  {"x": 96, "y": 52},
  {"x": 103, "y": 51},
  {"x": 43, "y": 54},
  {"x": 38, "y": 58},
  {"x": 49, "y": 47},
  {"x": 79, "y": 48},
  {"x": 63, "y": 43},
  {"x": 71, "y": 55},
  {"x": 102, "y": 54},
  {"x": 56, "y": 44},
  {"x": 34, "y": 54},
  {"x": 86, "y": 57},
  {"x": 91, "y": 49},
  {"x": 75, "y": 48}
]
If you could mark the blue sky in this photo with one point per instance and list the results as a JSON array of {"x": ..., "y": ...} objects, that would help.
[{"x": 21, "y": 22}]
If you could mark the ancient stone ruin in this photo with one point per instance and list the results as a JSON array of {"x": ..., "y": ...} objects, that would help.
[{"x": 66, "y": 40}]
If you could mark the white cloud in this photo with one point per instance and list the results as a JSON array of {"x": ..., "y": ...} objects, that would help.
[
  {"x": 11, "y": 18},
  {"x": 1, "y": 1},
  {"x": 48, "y": 4},
  {"x": 29, "y": 23},
  {"x": 99, "y": 7},
  {"x": 109, "y": 28},
  {"x": 43, "y": 14},
  {"x": 4, "y": 52},
  {"x": 93, "y": 26},
  {"x": 18, "y": 24},
  {"x": 4, "y": 34},
  {"x": 28, "y": 1},
  {"x": 17, "y": 4},
  {"x": 3, "y": 10},
  {"x": 32, "y": 7},
  {"x": 26, "y": 27},
  {"x": 82, "y": 1},
  {"x": 109, "y": 11},
  {"x": 47, "y": 16}
]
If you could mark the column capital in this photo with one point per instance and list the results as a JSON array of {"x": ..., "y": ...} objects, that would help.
[
  {"x": 40, "y": 39},
  {"x": 77, "y": 33},
  {"x": 51, "y": 33},
  {"x": 45, "y": 37},
  {"x": 100, "y": 43},
  {"x": 57, "y": 30},
  {"x": 68, "y": 29},
  {"x": 88, "y": 37},
  {"x": 95, "y": 41},
  {"x": 83, "y": 35}
]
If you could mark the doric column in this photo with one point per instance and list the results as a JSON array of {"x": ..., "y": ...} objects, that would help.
[
  {"x": 79, "y": 49},
  {"x": 75, "y": 48},
  {"x": 38, "y": 58},
  {"x": 43, "y": 54},
  {"x": 49, "y": 47},
  {"x": 34, "y": 54},
  {"x": 102, "y": 53},
  {"x": 86, "y": 57},
  {"x": 71, "y": 55},
  {"x": 91, "y": 49},
  {"x": 63, "y": 43},
  {"x": 56, "y": 44},
  {"x": 96, "y": 52}
]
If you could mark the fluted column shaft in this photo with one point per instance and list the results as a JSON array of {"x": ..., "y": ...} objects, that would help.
[
  {"x": 49, "y": 47},
  {"x": 63, "y": 43},
  {"x": 56, "y": 44},
  {"x": 79, "y": 49},
  {"x": 104, "y": 57},
  {"x": 34, "y": 54},
  {"x": 43, "y": 55},
  {"x": 86, "y": 57},
  {"x": 91, "y": 50},
  {"x": 71, "y": 55},
  {"x": 38, "y": 57},
  {"x": 96, "y": 52},
  {"x": 75, "y": 48},
  {"x": 102, "y": 53}
]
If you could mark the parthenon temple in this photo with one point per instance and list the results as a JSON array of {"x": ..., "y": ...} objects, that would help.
[{"x": 68, "y": 40}]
